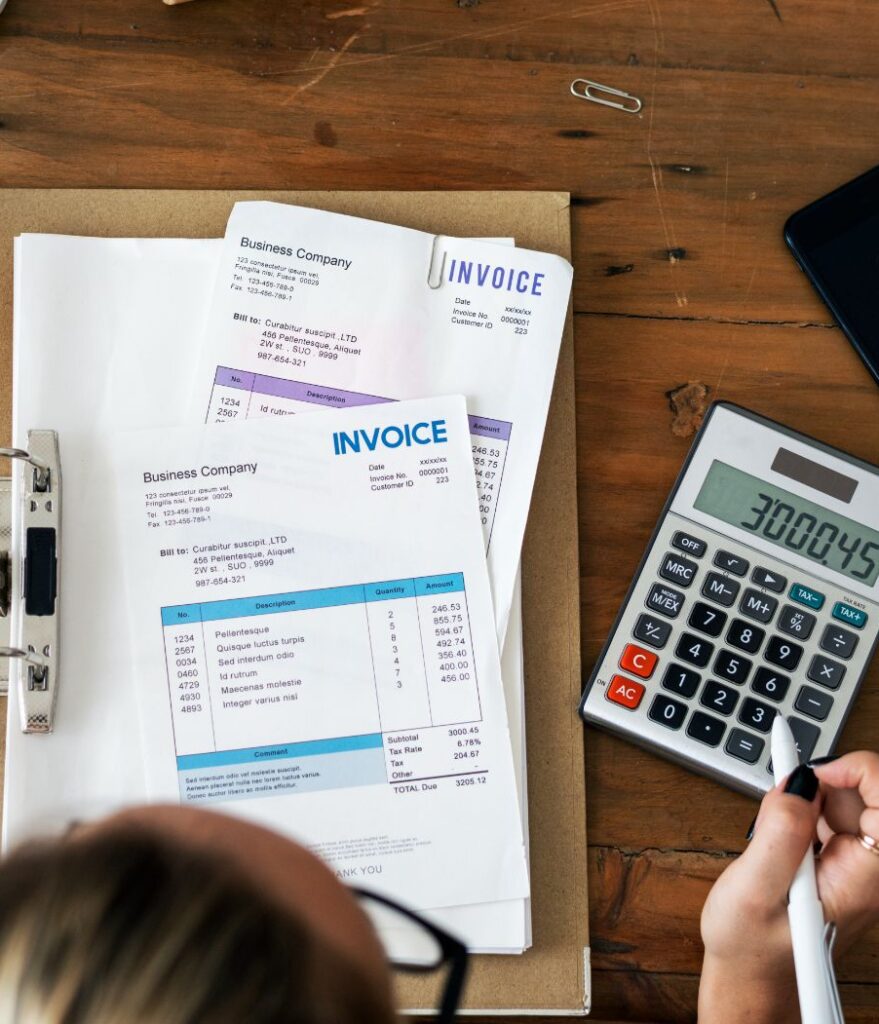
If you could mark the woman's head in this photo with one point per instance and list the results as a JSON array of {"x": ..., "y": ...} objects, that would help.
[{"x": 177, "y": 916}]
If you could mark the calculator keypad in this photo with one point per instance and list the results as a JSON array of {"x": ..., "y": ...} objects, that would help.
[{"x": 719, "y": 640}]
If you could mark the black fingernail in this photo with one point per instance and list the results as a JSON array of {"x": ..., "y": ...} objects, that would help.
[
  {"x": 817, "y": 761},
  {"x": 803, "y": 782},
  {"x": 751, "y": 828}
]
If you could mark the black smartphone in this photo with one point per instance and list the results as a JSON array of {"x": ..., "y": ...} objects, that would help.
[{"x": 836, "y": 242}]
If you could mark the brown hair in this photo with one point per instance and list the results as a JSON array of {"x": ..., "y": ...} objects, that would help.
[{"x": 128, "y": 928}]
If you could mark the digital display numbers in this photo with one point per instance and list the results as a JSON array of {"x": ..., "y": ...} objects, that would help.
[{"x": 790, "y": 522}]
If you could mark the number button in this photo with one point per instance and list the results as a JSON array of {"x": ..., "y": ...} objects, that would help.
[
  {"x": 758, "y": 716},
  {"x": 745, "y": 636},
  {"x": 769, "y": 683},
  {"x": 805, "y": 735},
  {"x": 665, "y": 600},
  {"x": 680, "y": 680},
  {"x": 744, "y": 746},
  {"x": 706, "y": 729},
  {"x": 707, "y": 619},
  {"x": 719, "y": 698},
  {"x": 625, "y": 692},
  {"x": 720, "y": 589},
  {"x": 732, "y": 666},
  {"x": 795, "y": 622},
  {"x": 667, "y": 712},
  {"x": 731, "y": 563},
  {"x": 784, "y": 653},
  {"x": 826, "y": 672},
  {"x": 694, "y": 649},
  {"x": 638, "y": 661},
  {"x": 692, "y": 545},
  {"x": 814, "y": 703},
  {"x": 770, "y": 580},
  {"x": 838, "y": 641},
  {"x": 652, "y": 631},
  {"x": 678, "y": 570},
  {"x": 758, "y": 606}
]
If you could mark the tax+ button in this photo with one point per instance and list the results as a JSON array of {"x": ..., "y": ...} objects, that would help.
[{"x": 638, "y": 661}]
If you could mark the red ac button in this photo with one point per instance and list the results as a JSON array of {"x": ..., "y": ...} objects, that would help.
[
  {"x": 625, "y": 691},
  {"x": 638, "y": 661}
]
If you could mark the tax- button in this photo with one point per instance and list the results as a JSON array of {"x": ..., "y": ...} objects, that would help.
[
  {"x": 625, "y": 692},
  {"x": 638, "y": 661},
  {"x": 678, "y": 570},
  {"x": 806, "y": 595},
  {"x": 846, "y": 613}
]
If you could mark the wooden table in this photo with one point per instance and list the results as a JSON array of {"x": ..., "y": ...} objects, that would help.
[{"x": 751, "y": 108}]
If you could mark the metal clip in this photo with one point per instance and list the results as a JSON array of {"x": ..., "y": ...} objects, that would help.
[
  {"x": 830, "y": 974},
  {"x": 41, "y": 468},
  {"x": 630, "y": 104},
  {"x": 442, "y": 269}
]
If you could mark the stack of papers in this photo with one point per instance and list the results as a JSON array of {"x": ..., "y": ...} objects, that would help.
[{"x": 313, "y": 635}]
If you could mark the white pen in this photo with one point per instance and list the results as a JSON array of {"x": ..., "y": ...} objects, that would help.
[{"x": 812, "y": 940}]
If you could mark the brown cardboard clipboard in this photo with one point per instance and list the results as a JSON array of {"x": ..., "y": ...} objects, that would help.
[{"x": 553, "y": 976}]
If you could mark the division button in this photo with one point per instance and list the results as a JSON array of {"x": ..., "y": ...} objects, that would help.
[
  {"x": 745, "y": 635},
  {"x": 802, "y": 594},
  {"x": 692, "y": 545},
  {"x": 668, "y": 712},
  {"x": 625, "y": 692},
  {"x": 706, "y": 728},
  {"x": 638, "y": 661},
  {"x": 719, "y": 698},
  {"x": 744, "y": 746},
  {"x": 796, "y": 622},
  {"x": 664, "y": 600},
  {"x": 678, "y": 570},
  {"x": 838, "y": 641},
  {"x": 678, "y": 679},
  {"x": 814, "y": 703},
  {"x": 731, "y": 563},
  {"x": 805, "y": 735},
  {"x": 758, "y": 716},
  {"x": 770, "y": 580},
  {"x": 720, "y": 588},
  {"x": 707, "y": 619},
  {"x": 784, "y": 653},
  {"x": 847, "y": 613},
  {"x": 651, "y": 630},
  {"x": 757, "y": 605},
  {"x": 826, "y": 672},
  {"x": 694, "y": 649},
  {"x": 769, "y": 683}
]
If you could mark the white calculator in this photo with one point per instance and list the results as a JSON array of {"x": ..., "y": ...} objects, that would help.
[{"x": 758, "y": 595}]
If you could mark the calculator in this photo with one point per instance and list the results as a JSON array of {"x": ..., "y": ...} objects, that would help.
[{"x": 757, "y": 596}]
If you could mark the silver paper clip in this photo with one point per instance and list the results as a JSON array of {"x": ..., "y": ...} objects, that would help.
[
  {"x": 30, "y": 544},
  {"x": 595, "y": 91},
  {"x": 435, "y": 280},
  {"x": 830, "y": 974}
]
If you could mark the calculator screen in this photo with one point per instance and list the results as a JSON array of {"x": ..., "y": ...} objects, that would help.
[{"x": 789, "y": 521}]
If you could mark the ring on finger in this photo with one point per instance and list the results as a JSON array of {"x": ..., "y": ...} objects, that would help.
[{"x": 868, "y": 842}]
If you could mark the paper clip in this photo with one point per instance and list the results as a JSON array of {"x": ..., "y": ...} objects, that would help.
[
  {"x": 630, "y": 104},
  {"x": 435, "y": 281}
]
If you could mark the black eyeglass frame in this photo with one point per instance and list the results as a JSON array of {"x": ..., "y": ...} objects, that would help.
[{"x": 454, "y": 956}]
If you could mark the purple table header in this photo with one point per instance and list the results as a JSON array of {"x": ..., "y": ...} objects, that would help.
[{"x": 482, "y": 426}]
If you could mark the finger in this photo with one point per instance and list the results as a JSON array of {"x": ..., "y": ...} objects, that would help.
[
  {"x": 785, "y": 831},
  {"x": 842, "y": 808},
  {"x": 825, "y": 832},
  {"x": 858, "y": 771}
]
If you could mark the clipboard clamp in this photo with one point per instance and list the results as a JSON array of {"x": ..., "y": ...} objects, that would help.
[{"x": 30, "y": 554}]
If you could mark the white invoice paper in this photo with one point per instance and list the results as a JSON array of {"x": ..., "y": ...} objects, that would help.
[
  {"x": 316, "y": 310},
  {"x": 316, "y": 646}
]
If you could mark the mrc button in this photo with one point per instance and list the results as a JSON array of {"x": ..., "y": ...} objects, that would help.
[
  {"x": 625, "y": 692},
  {"x": 678, "y": 570}
]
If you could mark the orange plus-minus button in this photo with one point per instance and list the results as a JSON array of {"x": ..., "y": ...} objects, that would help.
[
  {"x": 625, "y": 691},
  {"x": 638, "y": 661}
]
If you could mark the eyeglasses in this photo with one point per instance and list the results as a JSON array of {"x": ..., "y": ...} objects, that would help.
[{"x": 415, "y": 946}]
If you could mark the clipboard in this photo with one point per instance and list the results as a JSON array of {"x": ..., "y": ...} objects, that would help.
[{"x": 552, "y": 978}]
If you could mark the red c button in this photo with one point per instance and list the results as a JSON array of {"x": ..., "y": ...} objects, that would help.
[
  {"x": 625, "y": 691},
  {"x": 638, "y": 661}
]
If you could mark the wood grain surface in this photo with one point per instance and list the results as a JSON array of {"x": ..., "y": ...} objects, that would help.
[{"x": 751, "y": 108}]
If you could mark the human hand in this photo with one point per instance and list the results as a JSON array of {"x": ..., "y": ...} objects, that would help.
[{"x": 748, "y": 971}]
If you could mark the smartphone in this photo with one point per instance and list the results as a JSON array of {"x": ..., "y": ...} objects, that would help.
[{"x": 836, "y": 242}]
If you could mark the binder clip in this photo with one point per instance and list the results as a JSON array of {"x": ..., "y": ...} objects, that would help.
[{"x": 30, "y": 547}]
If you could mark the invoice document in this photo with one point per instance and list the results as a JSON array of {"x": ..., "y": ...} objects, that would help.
[
  {"x": 315, "y": 645},
  {"x": 316, "y": 310}
]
